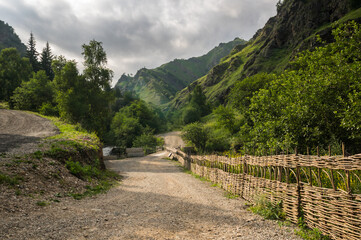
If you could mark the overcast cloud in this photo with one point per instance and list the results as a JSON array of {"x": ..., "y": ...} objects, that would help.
[{"x": 136, "y": 33}]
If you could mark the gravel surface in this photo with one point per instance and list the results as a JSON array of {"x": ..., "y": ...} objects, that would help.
[
  {"x": 21, "y": 131},
  {"x": 156, "y": 200}
]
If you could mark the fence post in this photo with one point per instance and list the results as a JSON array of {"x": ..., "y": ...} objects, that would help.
[
  {"x": 348, "y": 183},
  {"x": 332, "y": 177},
  {"x": 319, "y": 169},
  {"x": 310, "y": 168}
]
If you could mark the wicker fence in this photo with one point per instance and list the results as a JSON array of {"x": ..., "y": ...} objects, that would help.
[{"x": 327, "y": 190}]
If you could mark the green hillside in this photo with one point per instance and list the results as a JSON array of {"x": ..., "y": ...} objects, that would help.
[
  {"x": 8, "y": 38},
  {"x": 292, "y": 30},
  {"x": 160, "y": 85}
]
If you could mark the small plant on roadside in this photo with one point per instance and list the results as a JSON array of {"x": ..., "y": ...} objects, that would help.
[
  {"x": 230, "y": 195},
  {"x": 267, "y": 209},
  {"x": 309, "y": 234},
  {"x": 42, "y": 203},
  {"x": 12, "y": 181}
]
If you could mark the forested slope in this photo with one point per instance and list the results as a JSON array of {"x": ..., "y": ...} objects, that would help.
[
  {"x": 159, "y": 85},
  {"x": 292, "y": 30}
]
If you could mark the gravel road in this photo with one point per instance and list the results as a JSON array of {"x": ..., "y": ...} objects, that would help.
[
  {"x": 20, "y": 131},
  {"x": 156, "y": 200}
]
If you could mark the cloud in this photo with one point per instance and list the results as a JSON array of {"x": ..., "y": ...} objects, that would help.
[{"x": 139, "y": 33}]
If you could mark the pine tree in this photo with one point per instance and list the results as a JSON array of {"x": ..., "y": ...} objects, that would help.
[
  {"x": 32, "y": 54},
  {"x": 46, "y": 59}
]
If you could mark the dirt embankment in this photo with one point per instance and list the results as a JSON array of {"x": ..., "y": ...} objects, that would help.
[{"x": 20, "y": 131}]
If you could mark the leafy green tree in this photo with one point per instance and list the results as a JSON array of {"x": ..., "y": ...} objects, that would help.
[
  {"x": 242, "y": 92},
  {"x": 125, "y": 129},
  {"x": 199, "y": 100},
  {"x": 226, "y": 118},
  {"x": 147, "y": 141},
  {"x": 314, "y": 103},
  {"x": 98, "y": 77},
  {"x": 32, "y": 54},
  {"x": 46, "y": 59},
  {"x": 71, "y": 93},
  {"x": 196, "y": 134},
  {"x": 33, "y": 94},
  {"x": 13, "y": 70},
  {"x": 190, "y": 114},
  {"x": 95, "y": 61}
]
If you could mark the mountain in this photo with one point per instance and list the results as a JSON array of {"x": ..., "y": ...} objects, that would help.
[
  {"x": 160, "y": 85},
  {"x": 292, "y": 30},
  {"x": 8, "y": 38}
]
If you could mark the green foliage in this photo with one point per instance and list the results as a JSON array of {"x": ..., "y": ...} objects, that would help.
[
  {"x": 33, "y": 94},
  {"x": 42, "y": 203},
  {"x": 5, "y": 179},
  {"x": 191, "y": 114},
  {"x": 46, "y": 59},
  {"x": 83, "y": 171},
  {"x": 267, "y": 209},
  {"x": 312, "y": 104},
  {"x": 196, "y": 134},
  {"x": 309, "y": 234},
  {"x": 243, "y": 91},
  {"x": 32, "y": 54},
  {"x": 147, "y": 141},
  {"x": 48, "y": 109},
  {"x": 137, "y": 120},
  {"x": 13, "y": 70}
]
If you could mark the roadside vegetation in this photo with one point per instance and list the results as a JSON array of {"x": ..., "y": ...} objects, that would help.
[{"x": 312, "y": 104}]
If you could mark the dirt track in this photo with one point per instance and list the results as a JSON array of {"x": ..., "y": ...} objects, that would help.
[
  {"x": 156, "y": 200},
  {"x": 19, "y": 131}
]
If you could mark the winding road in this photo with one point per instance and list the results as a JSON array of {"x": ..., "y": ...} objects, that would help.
[{"x": 155, "y": 200}]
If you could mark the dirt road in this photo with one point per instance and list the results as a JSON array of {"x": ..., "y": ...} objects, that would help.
[
  {"x": 20, "y": 131},
  {"x": 156, "y": 200},
  {"x": 172, "y": 139}
]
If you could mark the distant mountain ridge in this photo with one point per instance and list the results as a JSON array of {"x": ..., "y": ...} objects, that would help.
[
  {"x": 292, "y": 30},
  {"x": 8, "y": 38},
  {"x": 160, "y": 85}
]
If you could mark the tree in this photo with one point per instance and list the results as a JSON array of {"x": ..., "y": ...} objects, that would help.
[
  {"x": 199, "y": 100},
  {"x": 32, "y": 54},
  {"x": 71, "y": 93},
  {"x": 46, "y": 59},
  {"x": 95, "y": 61},
  {"x": 33, "y": 94},
  {"x": 13, "y": 70},
  {"x": 196, "y": 134}
]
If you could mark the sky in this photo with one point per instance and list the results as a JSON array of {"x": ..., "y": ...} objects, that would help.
[{"x": 136, "y": 33}]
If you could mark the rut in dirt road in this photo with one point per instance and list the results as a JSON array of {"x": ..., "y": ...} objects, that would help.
[{"x": 156, "y": 200}]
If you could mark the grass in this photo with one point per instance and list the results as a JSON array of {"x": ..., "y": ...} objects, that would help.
[
  {"x": 309, "y": 234},
  {"x": 230, "y": 195},
  {"x": 267, "y": 209},
  {"x": 102, "y": 187},
  {"x": 8, "y": 180},
  {"x": 4, "y": 105},
  {"x": 42, "y": 203}
]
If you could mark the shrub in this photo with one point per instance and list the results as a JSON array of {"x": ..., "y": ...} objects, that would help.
[{"x": 268, "y": 210}]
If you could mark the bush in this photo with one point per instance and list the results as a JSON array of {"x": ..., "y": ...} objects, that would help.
[
  {"x": 196, "y": 134},
  {"x": 268, "y": 210},
  {"x": 191, "y": 114},
  {"x": 83, "y": 172},
  {"x": 147, "y": 141},
  {"x": 48, "y": 109}
]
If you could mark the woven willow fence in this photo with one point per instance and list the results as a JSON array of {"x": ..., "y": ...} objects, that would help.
[{"x": 327, "y": 190}]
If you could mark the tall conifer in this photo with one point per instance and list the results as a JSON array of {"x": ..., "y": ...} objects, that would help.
[
  {"x": 45, "y": 61},
  {"x": 32, "y": 54}
]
